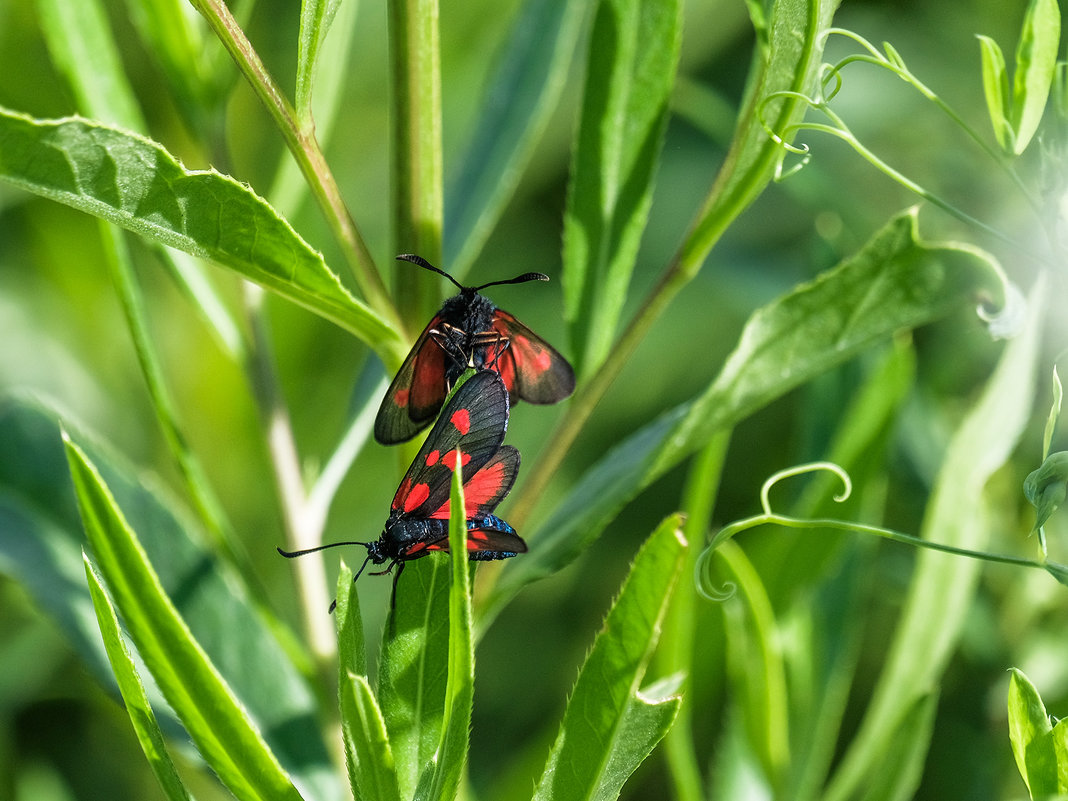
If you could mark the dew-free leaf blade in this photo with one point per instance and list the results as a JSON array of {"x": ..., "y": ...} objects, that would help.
[
  {"x": 368, "y": 755},
  {"x": 413, "y": 672},
  {"x": 608, "y": 727},
  {"x": 633, "y": 51},
  {"x": 1036, "y": 59},
  {"x": 996, "y": 90},
  {"x": 316, "y": 17},
  {"x": 1030, "y": 733},
  {"x": 135, "y": 183},
  {"x": 41, "y": 540},
  {"x": 133, "y": 692},
  {"x": 527, "y": 81},
  {"x": 896, "y": 282},
  {"x": 212, "y": 715}
]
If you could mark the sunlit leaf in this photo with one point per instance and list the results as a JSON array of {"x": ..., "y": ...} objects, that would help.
[
  {"x": 1036, "y": 58},
  {"x": 1031, "y": 735},
  {"x": 1046, "y": 487},
  {"x": 133, "y": 182},
  {"x": 212, "y": 715},
  {"x": 634, "y": 47},
  {"x": 610, "y": 726},
  {"x": 996, "y": 90},
  {"x": 142, "y": 717},
  {"x": 895, "y": 282}
]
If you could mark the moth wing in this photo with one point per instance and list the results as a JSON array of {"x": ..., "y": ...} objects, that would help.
[
  {"x": 416, "y": 393},
  {"x": 469, "y": 430},
  {"x": 531, "y": 368}
]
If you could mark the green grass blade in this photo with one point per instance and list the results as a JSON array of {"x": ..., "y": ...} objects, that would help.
[
  {"x": 896, "y": 282},
  {"x": 902, "y": 766},
  {"x": 956, "y": 515},
  {"x": 367, "y": 750},
  {"x": 441, "y": 778},
  {"x": 996, "y": 91},
  {"x": 633, "y": 52},
  {"x": 412, "y": 668},
  {"x": 1031, "y": 735},
  {"x": 41, "y": 540},
  {"x": 527, "y": 81},
  {"x": 755, "y": 661},
  {"x": 145, "y": 725},
  {"x": 609, "y": 726},
  {"x": 214, "y": 718},
  {"x": 368, "y": 756},
  {"x": 174, "y": 37},
  {"x": 316, "y": 17},
  {"x": 133, "y": 182},
  {"x": 1036, "y": 59}
]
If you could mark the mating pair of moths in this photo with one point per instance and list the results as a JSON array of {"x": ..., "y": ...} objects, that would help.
[{"x": 512, "y": 363}]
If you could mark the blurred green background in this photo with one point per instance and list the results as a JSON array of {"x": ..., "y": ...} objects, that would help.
[{"x": 63, "y": 337}]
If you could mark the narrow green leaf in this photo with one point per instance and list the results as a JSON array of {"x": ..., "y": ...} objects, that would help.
[
  {"x": 1031, "y": 735},
  {"x": 40, "y": 544},
  {"x": 367, "y": 750},
  {"x": 412, "y": 667},
  {"x": 756, "y": 663},
  {"x": 214, "y": 718},
  {"x": 1046, "y": 487},
  {"x": 789, "y": 66},
  {"x": 441, "y": 778},
  {"x": 351, "y": 649},
  {"x": 82, "y": 48},
  {"x": 316, "y": 17},
  {"x": 1036, "y": 59},
  {"x": 609, "y": 727},
  {"x": 145, "y": 725},
  {"x": 896, "y": 282},
  {"x": 1060, "y": 750},
  {"x": 957, "y": 514},
  {"x": 1054, "y": 412},
  {"x": 131, "y": 181},
  {"x": 526, "y": 83},
  {"x": 996, "y": 91},
  {"x": 173, "y": 35},
  {"x": 41, "y": 539},
  {"x": 901, "y": 769},
  {"x": 633, "y": 52}
]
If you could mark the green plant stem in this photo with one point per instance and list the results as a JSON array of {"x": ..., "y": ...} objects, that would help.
[
  {"x": 305, "y": 149},
  {"x": 301, "y": 529},
  {"x": 418, "y": 205},
  {"x": 730, "y": 531}
]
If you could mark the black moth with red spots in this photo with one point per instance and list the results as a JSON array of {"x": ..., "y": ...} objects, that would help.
[
  {"x": 469, "y": 331},
  {"x": 469, "y": 431}
]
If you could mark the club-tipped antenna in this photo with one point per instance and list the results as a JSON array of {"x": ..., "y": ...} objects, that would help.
[
  {"x": 306, "y": 551},
  {"x": 519, "y": 279}
]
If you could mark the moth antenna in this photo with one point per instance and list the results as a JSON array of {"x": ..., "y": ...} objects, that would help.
[
  {"x": 428, "y": 266},
  {"x": 519, "y": 279},
  {"x": 306, "y": 551}
]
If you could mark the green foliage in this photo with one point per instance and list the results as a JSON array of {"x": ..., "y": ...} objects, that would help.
[
  {"x": 1040, "y": 747},
  {"x": 817, "y": 673}
]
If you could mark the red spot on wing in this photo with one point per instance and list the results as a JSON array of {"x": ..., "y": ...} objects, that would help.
[
  {"x": 449, "y": 459},
  {"x": 461, "y": 420},
  {"x": 400, "y": 397},
  {"x": 432, "y": 458},
  {"x": 418, "y": 494},
  {"x": 542, "y": 361}
]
